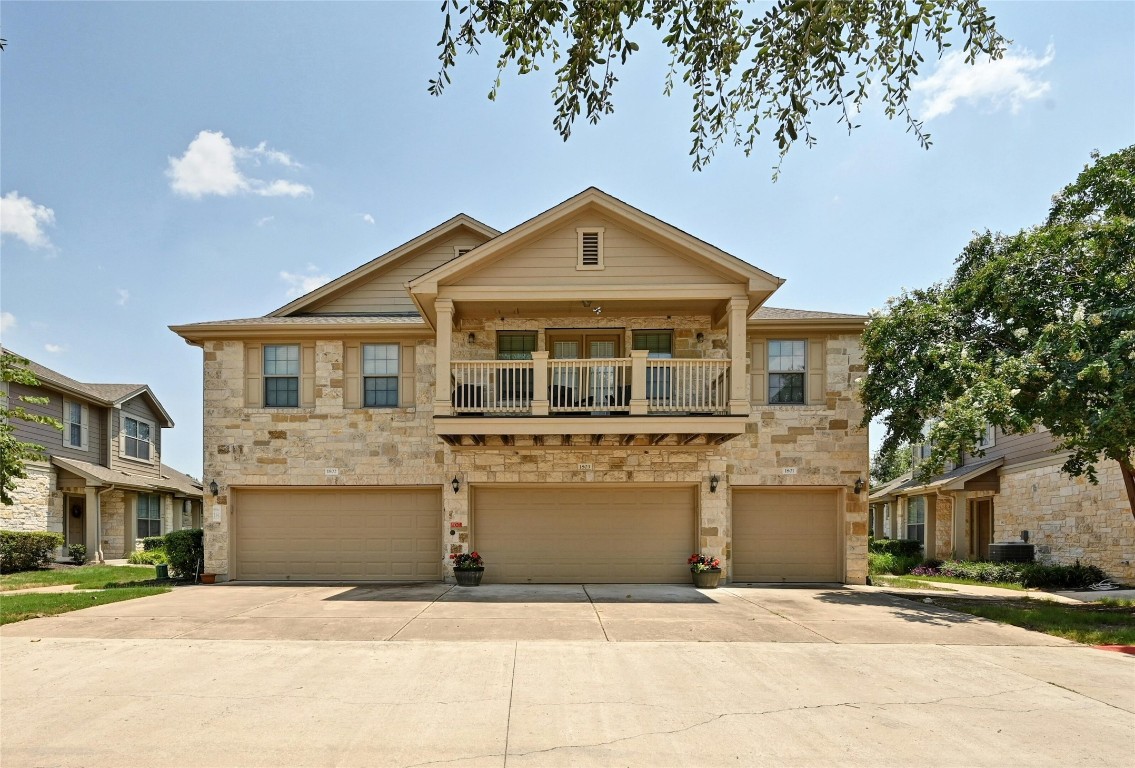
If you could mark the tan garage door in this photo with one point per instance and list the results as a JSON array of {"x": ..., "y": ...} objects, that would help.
[
  {"x": 584, "y": 534},
  {"x": 785, "y": 536},
  {"x": 372, "y": 534}
]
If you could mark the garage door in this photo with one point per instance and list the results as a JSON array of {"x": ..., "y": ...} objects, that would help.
[
  {"x": 573, "y": 534},
  {"x": 781, "y": 536},
  {"x": 372, "y": 534}
]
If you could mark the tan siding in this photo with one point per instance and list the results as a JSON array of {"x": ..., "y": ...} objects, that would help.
[
  {"x": 386, "y": 292},
  {"x": 136, "y": 406},
  {"x": 1017, "y": 449},
  {"x": 628, "y": 258},
  {"x": 52, "y": 439}
]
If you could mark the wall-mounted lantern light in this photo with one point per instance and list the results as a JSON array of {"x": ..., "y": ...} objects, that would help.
[
  {"x": 213, "y": 489},
  {"x": 472, "y": 337},
  {"x": 858, "y": 485},
  {"x": 713, "y": 482},
  {"x": 700, "y": 337},
  {"x": 455, "y": 484}
]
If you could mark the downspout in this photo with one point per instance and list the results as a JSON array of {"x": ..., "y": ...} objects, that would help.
[{"x": 98, "y": 521}]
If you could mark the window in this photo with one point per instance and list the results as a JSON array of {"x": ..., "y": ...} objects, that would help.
[
  {"x": 786, "y": 371},
  {"x": 75, "y": 422},
  {"x": 281, "y": 375},
  {"x": 590, "y": 248},
  {"x": 659, "y": 346},
  {"x": 149, "y": 515},
  {"x": 989, "y": 439},
  {"x": 515, "y": 346},
  {"x": 916, "y": 519},
  {"x": 380, "y": 375},
  {"x": 136, "y": 437}
]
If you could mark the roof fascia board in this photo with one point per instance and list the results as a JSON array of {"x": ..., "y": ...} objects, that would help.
[
  {"x": 385, "y": 261},
  {"x": 196, "y": 334},
  {"x": 149, "y": 394}
]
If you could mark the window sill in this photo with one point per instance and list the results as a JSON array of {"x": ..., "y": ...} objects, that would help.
[{"x": 132, "y": 460}]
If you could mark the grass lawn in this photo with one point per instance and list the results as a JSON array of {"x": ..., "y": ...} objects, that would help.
[
  {"x": 85, "y": 577},
  {"x": 956, "y": 580},
  {"x": 1109, "y": 622},
  {"x": 31, "y": 606},
  {"x": 904, "y": 582}
]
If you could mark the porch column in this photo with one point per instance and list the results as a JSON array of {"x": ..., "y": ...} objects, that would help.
[
  {"x": 639, "y": 404},
  {"x": 961, "y": 509},
  {"x": 443, "y": 405},
  {"x": 738, "y": 376},
  {"x": 540, "y": 383},
  {"x": 90, "y": 523}
]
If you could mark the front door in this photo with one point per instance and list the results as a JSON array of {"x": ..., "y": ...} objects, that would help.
[
  {"x": 981, "y": 528},
  {"x": 75, "y": 526}
]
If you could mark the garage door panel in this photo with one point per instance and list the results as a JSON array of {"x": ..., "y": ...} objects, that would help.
[
  {"x": 572, "y": 534},
  {"x": 342, "y": 534},
  {"x": 786, "y": 536}
]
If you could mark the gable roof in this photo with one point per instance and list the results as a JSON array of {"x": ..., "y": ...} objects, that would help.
[
  {"x": 109, "y": 395},
  {"x": 955, "y": 479},
  {"x": 169, "y": 479},
  {"x": 593, "y": 197},
  {"x": 385, "y": 262}
]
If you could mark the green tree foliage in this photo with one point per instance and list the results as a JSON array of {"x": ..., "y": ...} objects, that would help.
[
  {"x": 1034, "y": 328},
  {"x": 887, "y": 465},
  {"x": 14, "y": 454},
  {"x": 745, "y": 65}
]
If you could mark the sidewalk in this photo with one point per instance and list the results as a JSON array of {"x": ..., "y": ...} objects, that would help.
[{"x": 943, "y": 589}]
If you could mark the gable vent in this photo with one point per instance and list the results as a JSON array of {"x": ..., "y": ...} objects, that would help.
[{"x": 590, "y": 249}]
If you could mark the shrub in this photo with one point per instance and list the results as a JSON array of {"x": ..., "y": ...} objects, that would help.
[
  {"x": 900, "y": 547},
  {"x": 886, "y": 563},
  {"x": 148, "y": 557},
  {"x": 185, "y": 551},
  {"x": 153, "y": 542},
  {"x": 78, "y": 553},
  {"x": 1061, "y": 576},
  {"x": 27, "y": 550}
]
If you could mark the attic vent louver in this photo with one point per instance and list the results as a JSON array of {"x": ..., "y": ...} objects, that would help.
[{"x": 590, "y": 249}]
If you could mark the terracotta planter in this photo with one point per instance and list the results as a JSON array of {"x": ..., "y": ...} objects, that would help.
[
  {"x": 706, "y": 579},
  {"x": 468, "y": 577},
  {"x": 208, "y": 578}
]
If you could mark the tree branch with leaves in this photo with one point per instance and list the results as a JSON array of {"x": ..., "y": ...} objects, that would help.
[
  {"x": 15, "y": 454},
  {"x": 745, "y": 66}
]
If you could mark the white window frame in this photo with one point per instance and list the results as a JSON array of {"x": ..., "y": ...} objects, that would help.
[
  {"x": 84, "y": 425},
  {"x": 397, "y": 375},
  {"x": 990, "y": 438},
  {"x": 152, "y": 442},
  {"x": 579, "y": 233},
  {"x": 770, "y": 371}
]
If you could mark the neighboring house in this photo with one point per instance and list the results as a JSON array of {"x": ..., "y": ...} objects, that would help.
[
  {"x": 103, "y": 484},
  {"x": 1016, "y": 486},
  {"x": 587, "y": 397}
]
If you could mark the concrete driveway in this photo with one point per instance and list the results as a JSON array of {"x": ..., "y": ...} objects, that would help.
[
  {"x": 608, "y": 612},
  {"x": 551, "y": 676}
]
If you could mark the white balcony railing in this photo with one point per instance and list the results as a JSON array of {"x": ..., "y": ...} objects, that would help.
[{"x": 598, "y": 386}]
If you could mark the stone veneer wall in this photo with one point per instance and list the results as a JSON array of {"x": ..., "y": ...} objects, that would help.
[
  {"x": 113, "y": 514},
  {"x": 943, "y": 526},
  {"x": 34, "y": 503},
  {"x": 1068, "y": 518},
  {"x": 269, "y": 446}
]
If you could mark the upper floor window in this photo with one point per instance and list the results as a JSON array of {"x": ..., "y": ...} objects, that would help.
[
  {"x": 516, "y": 345},
  {"x": 75, "y": 424},
  {"x": 281, "y": 375},
  {"x": 149, "y": 515},
  {"x": 137, "y": 437},
  {"x": 787, "y": 368},
  {"x": 659, "y": 344},
  {"x": 989, "y": 439},
  {"x": 590, "y": 255},
  {"x": 380, "y": 375}
]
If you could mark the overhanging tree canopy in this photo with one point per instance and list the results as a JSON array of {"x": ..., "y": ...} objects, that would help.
[
  {"x": 745, "y": 67},
  {"x": 1034, "y": 328}
]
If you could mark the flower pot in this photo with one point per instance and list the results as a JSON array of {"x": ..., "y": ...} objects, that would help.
[
  {"x": 707, "y": 579},
  {"x": 208, "y": 578},
  {"x": 468, "y": 577}
]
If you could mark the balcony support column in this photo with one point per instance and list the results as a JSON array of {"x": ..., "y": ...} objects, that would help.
[
  {"x": 443, "y": 386},
  {"x": 540, "y": 383},
  {"x": 639, "y": 404},
  {"x": 738, "y": 378}
]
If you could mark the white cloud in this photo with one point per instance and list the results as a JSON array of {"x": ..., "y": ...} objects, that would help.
[
  {"x": 123, "y": 296},
  {"x": 209, "y": 167},
  {"x": 299, "y": 284},
  {"x": 1007, "y": 82},
  {"x": 367, "y": 218},
  {"x": 265, "y": 220},
  {"x": 21, "y": 217},
  {"x": 54, "y": 348},
  {"x": 7, "y": 321}
]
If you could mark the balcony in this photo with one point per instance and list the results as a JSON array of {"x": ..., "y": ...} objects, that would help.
[{"x": 621, "y": 401}]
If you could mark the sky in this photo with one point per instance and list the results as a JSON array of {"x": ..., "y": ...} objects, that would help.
[{"x": 167, "y": 163}]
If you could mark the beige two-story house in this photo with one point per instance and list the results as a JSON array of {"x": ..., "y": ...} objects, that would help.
[
  {"x": 102, "y": 483},
  {"x": 1013, "y": 490},
  {"x": 589, "y": 396}
]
